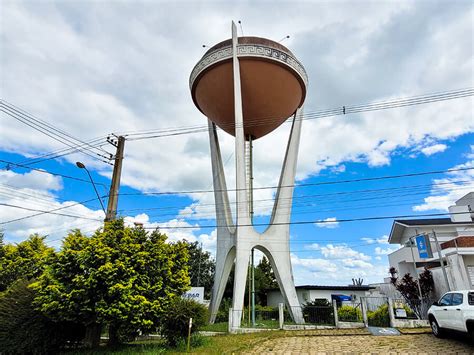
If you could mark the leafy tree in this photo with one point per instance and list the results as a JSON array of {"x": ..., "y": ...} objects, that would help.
[
  {"x": 201, "y": 267},
  {"x": 264, "y": 280},
  {"x": 121, "y": 277},
  {"x": 408, "y": 287},
  {"x": 25, "y": 330},
  {"x": 25, "y": 260}
]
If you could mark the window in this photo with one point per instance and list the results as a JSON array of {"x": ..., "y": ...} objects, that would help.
[
  {"x": 470, "y": 298},
  {"x": 470, "y": 272},
  {"x": 457, "y": 299},
  {"x": 446, "y": 300}
]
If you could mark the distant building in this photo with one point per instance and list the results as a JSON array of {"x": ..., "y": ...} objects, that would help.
[
  {"x": 309, "y": 293},
  {"x": 456, "y": 239}
]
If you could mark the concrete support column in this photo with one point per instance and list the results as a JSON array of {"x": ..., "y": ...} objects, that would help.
[
  {"x": 363, "y": 304},
  {"x": 391, "y": 313},
  {"x": 231, "y": 314},
  {"x": 281, "y": 315},
  {"x": 336, "y": 317}
]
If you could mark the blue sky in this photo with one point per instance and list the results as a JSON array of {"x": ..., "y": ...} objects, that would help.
[{"x": 76, "y": 66}]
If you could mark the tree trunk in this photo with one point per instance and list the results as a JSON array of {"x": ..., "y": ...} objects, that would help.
[
  {"x": 92, "y": 338},
  {"x": 113, "y": 335}
]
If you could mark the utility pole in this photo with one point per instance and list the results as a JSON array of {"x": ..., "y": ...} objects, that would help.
[
  {"x": 441, "y": 260},
  {"x": 115, "y": 186},
  {"x": 416, "y": 270}
]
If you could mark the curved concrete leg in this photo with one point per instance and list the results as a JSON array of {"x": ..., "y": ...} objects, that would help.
[
  {"x": 223, "y": 268},
  {"x": 281, "y": 265},
  {"x": 240, "y": 278}
]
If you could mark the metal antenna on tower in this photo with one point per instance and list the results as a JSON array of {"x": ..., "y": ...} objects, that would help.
[{"x": 241, "y": 29}]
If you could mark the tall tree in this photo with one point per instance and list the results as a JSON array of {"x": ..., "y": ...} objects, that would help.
[
  {"x": 121, "y": 277},
  {"x": 264, "y": 280},
  {"x": 25, "y": 260},
  {"x": 408, "y": 287},
  {"x": 201, "y": 267}
]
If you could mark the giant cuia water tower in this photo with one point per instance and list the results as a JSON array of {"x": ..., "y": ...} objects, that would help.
[{"x": 248, "y": 86}]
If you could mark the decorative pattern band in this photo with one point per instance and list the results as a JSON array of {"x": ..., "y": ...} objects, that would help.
[{"x": 248, "y": 50}]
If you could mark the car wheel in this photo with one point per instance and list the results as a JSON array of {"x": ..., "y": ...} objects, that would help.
[{"x": 437, "y": 331}]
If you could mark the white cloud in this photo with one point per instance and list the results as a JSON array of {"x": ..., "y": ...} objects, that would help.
[
  {"x": 330, "y": 223},
  {"x": 381, "y": 251},
  {"x": 111, "y": 78},
  {"x": 331, "y": 251},
  {"x": 382, "y": 240},
  {"x": 319, "y": 271},
  {"x": 314, "y": 246},
  {"x": 446, "y": 191},
  {"x": 433, "y": 149}
]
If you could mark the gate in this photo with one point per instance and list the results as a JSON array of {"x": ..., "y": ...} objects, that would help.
[
  {"x": 319, "y": 315},
  {"x": 377, "y": 311}
]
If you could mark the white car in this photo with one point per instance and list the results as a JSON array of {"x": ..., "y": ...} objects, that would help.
[{"x": 454, "y": 311}]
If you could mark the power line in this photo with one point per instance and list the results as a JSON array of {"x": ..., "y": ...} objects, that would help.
[
  {"x": 320, "y": 183},
  {"x": 48, "y": 211},
  {"x": 9, "y": 163},
  {"x": 371, "y": 218},
  {"x": 48, "y": 129},
  {"x": 325, "y": 195},
  {"x": 44, "y": 212},
  {"x": 341, "y": 110}
]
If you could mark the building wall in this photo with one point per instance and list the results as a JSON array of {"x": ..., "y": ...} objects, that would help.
[{"x": 304, "y": 296}]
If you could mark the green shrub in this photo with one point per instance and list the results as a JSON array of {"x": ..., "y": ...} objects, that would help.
[
  {"x": 349, "y": 314},
  {"x": 175, "y": 321},
  {"x": 23, "y": 329},
  {"x": 379, "y": 317}
]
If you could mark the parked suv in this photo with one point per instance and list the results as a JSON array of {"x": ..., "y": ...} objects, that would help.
[{"x": 455, "y": 311}]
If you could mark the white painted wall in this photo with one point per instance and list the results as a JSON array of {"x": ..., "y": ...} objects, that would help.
[{"x": 305, "y": 296}]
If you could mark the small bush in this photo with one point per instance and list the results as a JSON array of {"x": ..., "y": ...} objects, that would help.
[
  {"x": 23, "y": 329},
  {"x": 379, "y": 317},
  {"x": 175, "y": 322},
  {"x": 349, "y": 314}
]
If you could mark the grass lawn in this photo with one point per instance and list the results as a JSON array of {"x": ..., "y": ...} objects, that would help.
[
  {"x": 220, "y": 344},
  {"x": 216, "y": 327}
]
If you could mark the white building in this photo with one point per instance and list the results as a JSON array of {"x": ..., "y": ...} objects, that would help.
[
  {"x": 456, "y": 245},
  {"x": 309, "y": 293}
]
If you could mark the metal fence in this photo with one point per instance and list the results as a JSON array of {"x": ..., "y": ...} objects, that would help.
[
  {"x": 349, "y": 311},
  {"x": 264, "y": 318}
]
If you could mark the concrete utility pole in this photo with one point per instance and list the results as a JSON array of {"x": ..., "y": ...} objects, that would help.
[
  {"x": 115, "y": 186},
  {"x": 441, "y": 260}
]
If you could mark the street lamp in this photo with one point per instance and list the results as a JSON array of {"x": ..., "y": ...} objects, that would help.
[{"x": 82, "y": 166}]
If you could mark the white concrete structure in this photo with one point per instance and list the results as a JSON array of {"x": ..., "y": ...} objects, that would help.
[
  {"x": 456, "y": 240},
  {"x": 309, "y": 293},
  {"x": 236, "y": 241}
]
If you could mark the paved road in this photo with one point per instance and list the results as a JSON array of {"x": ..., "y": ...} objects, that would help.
[{"x": 368, "y": 344}]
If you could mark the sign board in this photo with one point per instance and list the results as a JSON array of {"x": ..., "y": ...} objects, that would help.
[
  {"x": 195, "y": 293},
  {"x": 397, "y": 304},
  {"x": 424, "y": 246},
  {"x": 400, "y": 313}
]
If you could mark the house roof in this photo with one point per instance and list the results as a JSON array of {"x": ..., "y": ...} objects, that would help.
[
  {"x": 399, "y": 226},
  {"x": 426, "y": 222},
  {"x": 331, "y": 288}
]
